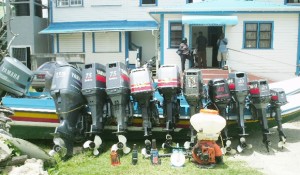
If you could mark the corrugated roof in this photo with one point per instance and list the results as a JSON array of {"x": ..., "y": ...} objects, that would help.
[
  {"x": 92, "y": 26},
  {"x": 229, "y": 6}
]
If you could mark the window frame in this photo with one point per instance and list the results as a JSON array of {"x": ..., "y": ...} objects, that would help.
[
  {"x": 170, "y": 33},
  {"x": 95, "y": 40},
  {"x": 258, "y": 34},
  {"x": 287, "y": 2},
  {"x": 69, "y": 3},
  {"x": 147, "y": 5}
]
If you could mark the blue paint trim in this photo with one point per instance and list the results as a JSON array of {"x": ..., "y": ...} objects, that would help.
[
  {"x": 52, "y": 43},
  {"x": 93, "y": 41},
  {"x": 169, "y": 31},
  {"x": 258, "y": 32},
  {"x": 83, "y": 42},
  {"x": 57, "y": 43},
  {"x": 126, "y": 45},
  {"x": 51, "y": 11},
  {"x": 298, "y": 50},
  {"x": 162, "y": 38},
  {"x": 120, "y": 42}
]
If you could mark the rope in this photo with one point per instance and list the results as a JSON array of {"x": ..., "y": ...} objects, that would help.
[{"x": 70, "y": 110}]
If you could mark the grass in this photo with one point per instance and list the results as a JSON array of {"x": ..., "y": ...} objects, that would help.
[{"x": 85, "y": 163}]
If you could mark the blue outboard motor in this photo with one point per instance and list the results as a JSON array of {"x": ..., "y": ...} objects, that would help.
[
  {"x": 118, "y": 90},
  {"x": 93, "y": 89},
  {"x": 70, "y": 106},
  {"x": 169, "y": 86},
  {"x": 142, "y": 90}
]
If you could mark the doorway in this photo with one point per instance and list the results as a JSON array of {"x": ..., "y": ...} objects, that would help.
[{"x": 212, "y": 34}]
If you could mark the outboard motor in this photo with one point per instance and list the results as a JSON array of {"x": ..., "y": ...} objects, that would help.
[
  {"x": 260, "y": 97},
  {"x": 192, "y": 91},
  {"x": 15, "y": 79},
  {"x": 238, "y": 85},
  {"x": 219, "y": 94},
  {"x": 141, "y": 86},
  {"x": 70, "y": 107},
  {"x": 278, "y": 99},
  {"x": 118, "y": 90},
  {"x": 169, "y": 87},
  {"x": 93, "y": 89}
]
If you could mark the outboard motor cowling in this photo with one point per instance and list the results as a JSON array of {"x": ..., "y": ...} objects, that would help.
[{"x": 15, "y": 77}]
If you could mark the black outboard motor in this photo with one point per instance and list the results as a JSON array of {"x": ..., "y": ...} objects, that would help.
[
  {"x": 238, "y": 85},
  {"x": 260, "y": 97},
  {"x": 193, "y": 91},
  {"x": 141, "y": 85},
  {"x": 70, "y": 107},
  {"x": 219, "y": 94},
  {"x": 278, "y": 99},
  {"x": 118, "y": 90},
  {"x": 93, "y": 89},
  {"x": 169, "y": 87},
  {"x": 15, "y": 79}
]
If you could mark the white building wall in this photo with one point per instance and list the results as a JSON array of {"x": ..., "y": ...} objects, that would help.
[{"x": 277, "y": 63}]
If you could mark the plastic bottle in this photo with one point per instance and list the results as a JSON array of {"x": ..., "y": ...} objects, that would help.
[
  {"x": 134, "y": 155},
  {"x": 154, "y": 156},
  {"x": 115, "y": 158}
]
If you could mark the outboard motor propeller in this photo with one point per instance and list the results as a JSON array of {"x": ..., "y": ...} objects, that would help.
[
  {"x": 70, "y": 105},
  {"x": 192, "y": 91},
  {"x": 278, "y": 99},
  {"x": 118, "y": 90},
  {"x": 238, "y": 85},
  {"x": 169, "y": 87},
  {"x": 93, "y": 89},
  {"x": 142, "y": 90},
  {"x": 260, "y": 97}
]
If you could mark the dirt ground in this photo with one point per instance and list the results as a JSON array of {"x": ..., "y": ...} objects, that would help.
[{"x": 277, "y": 161}]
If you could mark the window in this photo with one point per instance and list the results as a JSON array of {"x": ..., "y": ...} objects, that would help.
[
  {"x": 67, "y": 3},
  {"x": 258, "y": 35},
  {"x": 189, "y": 1},
  {"x": 176, "y": 31},
  {"x": 293, "y": 1},
  {"x": 109, "y": 42},
  {"x": 148, "y": 2}
]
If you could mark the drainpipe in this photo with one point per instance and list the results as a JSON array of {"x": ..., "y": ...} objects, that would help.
[{"x": 156, "y": 50}]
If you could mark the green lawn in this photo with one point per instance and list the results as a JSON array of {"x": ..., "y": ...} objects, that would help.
[{"x": 87, "y": 164}]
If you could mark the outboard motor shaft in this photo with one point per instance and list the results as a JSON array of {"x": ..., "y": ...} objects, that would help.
[
  {"x": 70, "y": 105},
  {"x": 118, "y": 90},
  {"x": 93, "y": 89},
  {"x": 192, "y": 91},
  {"x": 278, "y": 99},
  {"x": 260, "y": 97},
  {"x": 169, "y": 87},
  {"x": 141, "y": 85}
]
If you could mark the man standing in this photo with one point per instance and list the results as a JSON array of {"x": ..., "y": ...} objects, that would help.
[
  {"x": 201, "y": 50},
  {"x": 222, "y": 51}
]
